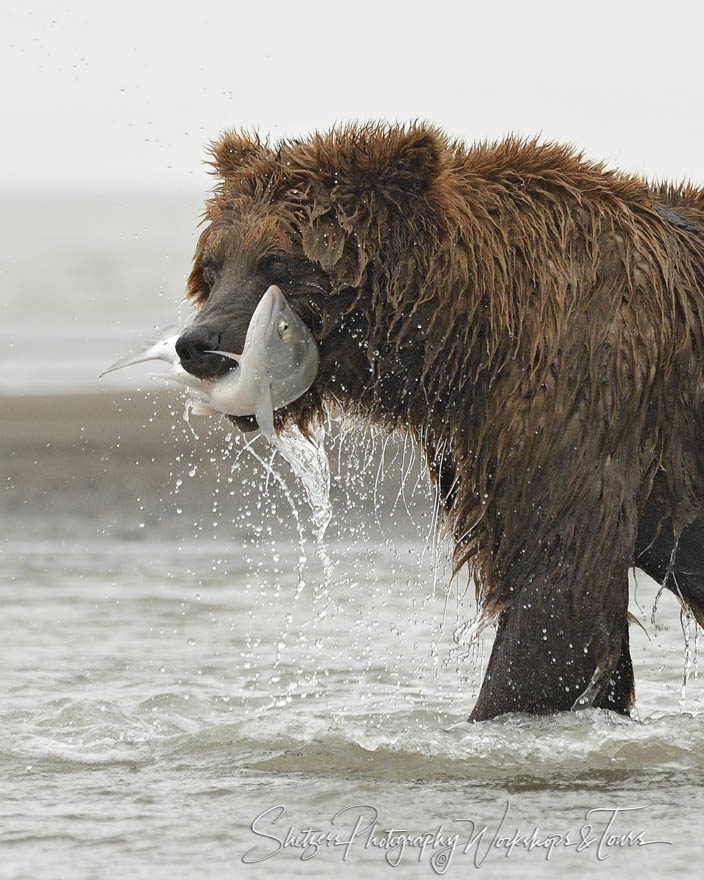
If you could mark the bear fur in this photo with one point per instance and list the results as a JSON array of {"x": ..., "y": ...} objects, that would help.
[{"x": 536, "y": 321}]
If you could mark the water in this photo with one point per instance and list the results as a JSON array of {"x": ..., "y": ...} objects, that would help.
[
  {"x": 198, "y": 631},
  {"x": 161, "y": 694},
  {"x": 147, "y": 721},
  {"x": 308, "y": 460},
  {"x": 98, "y": 274}
]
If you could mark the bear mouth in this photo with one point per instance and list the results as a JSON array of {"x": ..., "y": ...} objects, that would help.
[
  {"x": 209, "y": 368},
  {"x": 246, "y": 424}
]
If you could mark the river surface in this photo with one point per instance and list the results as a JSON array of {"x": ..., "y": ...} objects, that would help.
[{"x": 211, "y": 668}]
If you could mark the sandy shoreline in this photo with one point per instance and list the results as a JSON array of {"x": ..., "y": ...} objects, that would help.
[{"x": 84, "y": 466}]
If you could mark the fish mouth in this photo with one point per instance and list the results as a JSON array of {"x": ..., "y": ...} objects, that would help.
[{"x": 275, "y": 295}]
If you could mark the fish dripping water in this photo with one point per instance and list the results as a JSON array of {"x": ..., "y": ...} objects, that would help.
[{"x": 278, "y": 363}]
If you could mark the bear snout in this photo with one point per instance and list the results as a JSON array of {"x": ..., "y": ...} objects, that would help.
[{"x": 195, "y": 349}]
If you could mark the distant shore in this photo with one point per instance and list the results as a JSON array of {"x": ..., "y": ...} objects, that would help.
[
  {"x": 86, "y": 464},
  {"x": 80, "y": 466}
]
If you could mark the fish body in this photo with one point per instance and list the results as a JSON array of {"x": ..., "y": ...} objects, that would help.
[{"x": 279, "y": 363}]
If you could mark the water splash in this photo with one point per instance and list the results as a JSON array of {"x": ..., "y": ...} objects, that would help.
[
  {"x": 307, "y": 458},
  {"x": 686, "y": 621},
  {"x": 271, "y": 473},
  {"x": 309, "y": 463},
  {"x": 189, "y": 403},
  {"x": 467, "y": 646},
  {"x": 381, "y": 581}
]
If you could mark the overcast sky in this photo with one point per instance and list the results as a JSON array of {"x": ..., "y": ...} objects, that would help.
[{"x": 129, "y": 93}]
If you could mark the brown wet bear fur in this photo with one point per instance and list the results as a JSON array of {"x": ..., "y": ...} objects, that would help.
[{"x": 537, "y": 322}]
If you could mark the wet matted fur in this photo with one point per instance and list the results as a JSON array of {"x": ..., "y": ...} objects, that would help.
[{"x": 537, "y": 321}]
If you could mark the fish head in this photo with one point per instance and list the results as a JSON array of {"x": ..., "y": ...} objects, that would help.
[{"x": 278, "y": 343}]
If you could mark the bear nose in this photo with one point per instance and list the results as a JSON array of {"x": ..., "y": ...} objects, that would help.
[{"x": 194, "y": 347}]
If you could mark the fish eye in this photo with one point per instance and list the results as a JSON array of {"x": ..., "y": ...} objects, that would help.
[{"x": 282, "y": 327}]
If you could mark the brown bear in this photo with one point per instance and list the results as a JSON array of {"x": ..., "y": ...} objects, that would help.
[{"x": 536, "y": 321}]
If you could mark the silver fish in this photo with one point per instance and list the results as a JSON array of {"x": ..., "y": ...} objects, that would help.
[{"x": 279, "y": 362}]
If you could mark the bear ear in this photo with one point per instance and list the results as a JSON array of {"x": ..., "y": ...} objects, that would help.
[
  {"x": 234, "y": 150},
  {"x": 413, "y": 160},
  {"x": 392, "y": 158}
]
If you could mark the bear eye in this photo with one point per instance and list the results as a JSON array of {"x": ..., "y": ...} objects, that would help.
[
  {"x": 276, "y": 267},
  {"x": 209, "y": 273}
]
